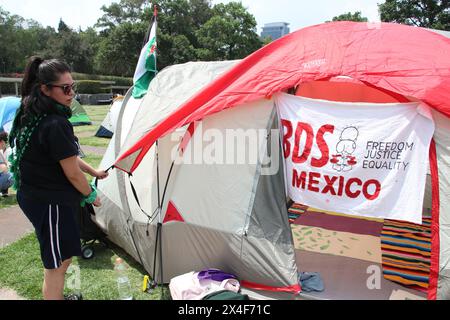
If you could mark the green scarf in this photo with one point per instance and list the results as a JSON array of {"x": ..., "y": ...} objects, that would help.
[{"x": 20, "y": 136}]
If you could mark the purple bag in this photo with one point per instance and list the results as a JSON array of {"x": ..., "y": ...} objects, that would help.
[
  {"x": 195, "y": 285},
  {"x": 215, "y": 274}
]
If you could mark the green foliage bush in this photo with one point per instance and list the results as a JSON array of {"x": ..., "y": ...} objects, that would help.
[
  {"x": 119, "y": 81},
  {"x": 8, "y": 88},
  {"x": 89, "y": 86}
]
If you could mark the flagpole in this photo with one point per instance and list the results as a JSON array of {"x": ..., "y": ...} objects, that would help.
[{"x": 155, "y": 16}]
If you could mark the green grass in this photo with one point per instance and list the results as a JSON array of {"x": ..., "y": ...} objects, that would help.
[
  {"x": 8, "y": 201},
  {"x": 96, "y": 114},
  {"x": 93, "y": 141},
  {"x": 82, "y": 129},
  {"x": 21, "y": 266},
  {"x": 93, "y": 159},
  {"x": 22, "y": 271},
  {"x": 96, "y": 110}
]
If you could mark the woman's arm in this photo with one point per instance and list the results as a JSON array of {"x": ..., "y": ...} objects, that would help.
[
  {"x": 72, "y": 171},
  {"x": 74, "y": 174},
  {"x": 85, "y": 167}
]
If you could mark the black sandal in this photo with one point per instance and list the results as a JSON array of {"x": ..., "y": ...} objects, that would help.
[{"x": 73, "y": 296}]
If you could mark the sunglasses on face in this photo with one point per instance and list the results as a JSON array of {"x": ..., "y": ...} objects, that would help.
[{"x": 66, "y": 88}]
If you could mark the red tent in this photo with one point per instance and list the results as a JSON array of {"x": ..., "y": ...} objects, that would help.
[
  {"x": 389, "y": 62},
  {"x": 403, "y": 60}
]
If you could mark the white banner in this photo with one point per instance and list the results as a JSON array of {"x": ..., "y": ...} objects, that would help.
[{"x": 356, "y": 158}]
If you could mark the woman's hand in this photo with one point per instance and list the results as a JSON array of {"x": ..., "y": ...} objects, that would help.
[
  {"x": 97, "y": 202},
  {"x": 100, "y": 174}
]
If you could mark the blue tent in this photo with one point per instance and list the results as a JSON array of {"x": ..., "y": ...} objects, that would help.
[{"x": 8, "y": 108}]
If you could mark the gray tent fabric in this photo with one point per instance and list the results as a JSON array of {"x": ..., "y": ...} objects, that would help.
[
  {"x": 442, "y": 139},
  {"x": 212, "y": 234},
  {"x": 269, "y": 221}
]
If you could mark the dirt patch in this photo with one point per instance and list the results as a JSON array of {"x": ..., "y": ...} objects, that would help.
[
  {"x": 7, "y": 294},
  {"x": 13, "y": 225}
]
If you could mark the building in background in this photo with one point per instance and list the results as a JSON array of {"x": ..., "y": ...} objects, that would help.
[{"x": 275, "y": 30}]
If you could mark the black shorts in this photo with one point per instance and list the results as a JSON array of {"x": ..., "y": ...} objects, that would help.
[{"x": 56, "y": 229}]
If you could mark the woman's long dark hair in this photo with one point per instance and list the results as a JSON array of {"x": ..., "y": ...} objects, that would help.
[
  {"x": 39, "y": 72},
  {"x": 33, "y": 107},
  {"x": 34, "y": 103}
]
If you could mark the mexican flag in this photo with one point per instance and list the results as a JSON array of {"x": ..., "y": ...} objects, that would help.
[{"x": 146, "y": 67}]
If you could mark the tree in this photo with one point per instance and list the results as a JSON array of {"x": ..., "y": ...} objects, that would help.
[
  {"x": 188, "y": 30},
  {"x": 181, "y": 50},
  {"x": 351, "y": 17},
  {"x": 230, "y": 34},
  {"x": 19, "y": 39},
  {"x": 71, "y": 46},
  {"x": 8, "y": 48},
  {"x": 63, "y": 27},
  {"x": 176, "y": 30},
  {"x": 119, "y": 52},
  {"x": 178, "y": 22},
  {"x": 266, "y": 40},
  {"x": 90, "y": 42},
  {"x": 421, "y": 13},
  {"x": 201, "y": 12},
  {"x": 117, "y": 13}
]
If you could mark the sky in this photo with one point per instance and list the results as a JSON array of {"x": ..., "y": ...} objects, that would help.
[{"x": 298, "y": 13}]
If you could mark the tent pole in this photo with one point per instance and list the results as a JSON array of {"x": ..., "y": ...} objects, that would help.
[
  {"x": 121, "y": 177},
  {"x": 154, "y": 255},
  {"x": 159, "y": 225},
  {"x": 157, "y": 181},
  {"x": 161, "y": 278}
]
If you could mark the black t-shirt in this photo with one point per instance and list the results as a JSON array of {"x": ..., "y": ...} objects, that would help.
[{"x": 42, "y": 177}]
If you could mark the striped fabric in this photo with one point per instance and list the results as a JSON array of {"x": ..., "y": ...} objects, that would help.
[
  {"x": 295, "y": 211},
  {"x": 405, "y": 247},
  {"x": 406, "y": 251}
]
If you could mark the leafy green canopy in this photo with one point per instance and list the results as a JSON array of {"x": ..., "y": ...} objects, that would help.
[
  {"x": 433, "y": 14},
  {"x": 188, "y": 30}
]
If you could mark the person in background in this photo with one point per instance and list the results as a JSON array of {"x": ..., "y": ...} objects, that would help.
[
  {"x": 6, "y": 178},
  {"x": 48, "y": 174}
]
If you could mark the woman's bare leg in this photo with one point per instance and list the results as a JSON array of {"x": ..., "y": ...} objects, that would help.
[{"x": 53, "y": 287}]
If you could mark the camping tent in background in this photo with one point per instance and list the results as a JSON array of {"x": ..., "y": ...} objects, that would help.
[
  {"x": 230, "y": 216},
  {"x": 79, "y": 115},
  {"x": 8, "y": 108},
  {"x": 108, "y": 126},
  {"x": 9, "y": 105}
]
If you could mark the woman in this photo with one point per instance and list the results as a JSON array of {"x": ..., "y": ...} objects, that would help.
[{"x": 48, "y": 174}]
